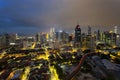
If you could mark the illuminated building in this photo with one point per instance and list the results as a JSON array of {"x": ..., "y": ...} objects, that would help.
[
  {"x": 115, "y": 29},
  {"x": 77, "y": 36},
  {"x": 7, "y": 39},
  {"x": 118, "y": 40},
  {"x": 89, "y": 30},
  {"x": 2, "y": 41},
  {"x": 52, "y": 34},
  {"x": 70, "y": 38},
  {"x": 110, "y": 38},
  {"x": 62, "y": 36},
  {"x": 88, "y": 41},
  {"x": 84, "y": 42},
  {"x": 37, "y": 37},
  {"x": 43, "y": 38},
  {"x": 98, "y": 35}
]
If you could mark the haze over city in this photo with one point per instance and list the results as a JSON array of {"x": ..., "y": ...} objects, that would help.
[
  {"x": 59, "y": 39},
  {"x": 40, "y": 15}
]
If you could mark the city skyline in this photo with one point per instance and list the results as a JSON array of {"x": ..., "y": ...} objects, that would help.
[{"x": 38, "y": 15}]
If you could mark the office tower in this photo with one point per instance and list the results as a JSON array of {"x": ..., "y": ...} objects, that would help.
[
  {"x": 62, "y": 36},
  {"x": 43, "y": 37},
  {"x": 84, "y": 40},
  {"x": 2, "y": 41},
  {"x": 115, "y": 29},
  {"x": 110, "y": 38},
  {"x": 98, "y": 35},
  {"x": 37, "y": 37},
  {"x": 52, "y": 34},
  {"x": 78, "y": 34},
  {"x": 78, "y": 37},
  {"x": 118, "y": 40},
  {"x": 89, "y": 30},
  {"x": 7, "y": 39}
]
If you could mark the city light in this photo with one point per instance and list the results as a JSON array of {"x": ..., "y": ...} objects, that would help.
[{"x": 59, "y": 40}]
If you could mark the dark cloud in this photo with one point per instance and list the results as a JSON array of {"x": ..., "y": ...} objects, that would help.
[{"x": 62, "y": 14}]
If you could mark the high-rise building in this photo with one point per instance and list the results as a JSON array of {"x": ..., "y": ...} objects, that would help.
[
  {"x": 118, "y": 40},
  {"x": 115, "y": 29},
  {"x": 98, "y": 35},
  {"x": 78, "y": 34},
  {"x": 70, "y": 38},
  {"x": 110, "y": 38},
  {"x": 89, "y": 30},
  {"x": 37, "y": 37},
  {"x": 43, "y": 37},
  {"x": 78, "y": 37},
  {"x": 52, "y": 34},
  {"x": 7, "y": 39},
  {"x": 2, "y": 41},
  {"x": 62, "y": 36}
]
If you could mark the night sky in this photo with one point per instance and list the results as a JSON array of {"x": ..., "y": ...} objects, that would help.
[{"x": 40, "y": 15}]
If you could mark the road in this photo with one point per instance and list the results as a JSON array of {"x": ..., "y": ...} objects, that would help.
[
  {"x": 33, "y": 46},
  {"x": 77, "y": 69}
]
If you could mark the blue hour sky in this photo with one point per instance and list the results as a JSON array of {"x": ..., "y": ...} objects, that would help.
[{"x": 40, "y": 15}]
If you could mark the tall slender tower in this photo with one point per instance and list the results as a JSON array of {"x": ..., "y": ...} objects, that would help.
[
  {"x": 52, "y": 34},
  {"x": 78, "y": 34},
  {"x": 89, "y": 30},
  {"x": 115, "y": 29}
]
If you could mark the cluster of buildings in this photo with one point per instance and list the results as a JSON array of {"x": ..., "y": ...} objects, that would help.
[
  {"x": 61, "y": 50},
  {"x": 90, "y": 40},
  {"x": 7, "y": 40},
  {"x": 55, "y": 38}
]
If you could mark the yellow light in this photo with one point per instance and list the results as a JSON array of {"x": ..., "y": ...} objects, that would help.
[
  {"x": 119, "y": 53},
  {"x": 100, "y": 50},
  {"x": 74, "y": 50},
  {"x": 25, "y": 74},
  {"x": 118, "y": 36},
  {"x": 113, "y": 57},
  {"x": 33, "y": 46},
  {"x": 114, "y": 46},
  {"x": 47, "y": 36},
  {"x": 11, "y": 75},
  {"x": 110, "y": 31},
  {"x": 54, "y": 72}
]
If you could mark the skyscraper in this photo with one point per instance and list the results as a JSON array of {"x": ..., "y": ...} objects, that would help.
[
  {"x": 115, "y": 29},
  {"x": 37, "y": 37},
  {"x": 52, "y": 34},
  {"x": 89, "y": 30},
  {"x": 7, "y": 39},
  {"x": 78, "y": 34},
  {"x": 98, "y": 35}
]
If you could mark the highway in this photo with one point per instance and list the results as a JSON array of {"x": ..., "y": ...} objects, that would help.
[
  {"x": 11, "y": 75},
  {"x": 77, "y": 69},
  {"x": 33, "y": 46}
]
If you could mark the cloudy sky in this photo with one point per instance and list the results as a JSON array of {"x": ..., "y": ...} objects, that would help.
[{"x": 41, "y": 15}]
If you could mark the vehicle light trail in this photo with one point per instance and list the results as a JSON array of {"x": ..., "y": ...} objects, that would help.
[{"x": 77, "y": 69}]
